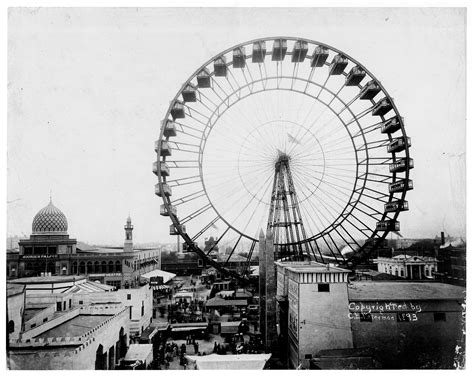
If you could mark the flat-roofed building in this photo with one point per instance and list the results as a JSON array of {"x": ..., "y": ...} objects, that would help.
[
  {"x": 408, "y": 324},
  {"x": 85, "y": 337},
  {"x": 312, "y": 309}
]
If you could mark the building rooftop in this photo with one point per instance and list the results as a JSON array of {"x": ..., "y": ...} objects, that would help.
[
  {"x": 13, "y": 289},
  {"x": 310, "y": 267},
  {"x": 76, "y": 326},
  {"x": 400, "y": 291},
  {"x": 217, "y": 301},
  {"x": 47, "y": 279}
]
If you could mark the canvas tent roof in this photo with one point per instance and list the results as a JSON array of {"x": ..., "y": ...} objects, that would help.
[
  {"x": 167, "y": 276},
  {"x": 230, "y": 362}
]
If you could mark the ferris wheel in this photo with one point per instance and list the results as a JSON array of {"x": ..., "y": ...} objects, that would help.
[{"x": 288, "y": 135}]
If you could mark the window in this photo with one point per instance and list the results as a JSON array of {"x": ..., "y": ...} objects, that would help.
[
  {"x": 200, "y": 263},
  {"x": 143, "y": 308},
  {"x": 323, "y": 287},
  {"x": 58, "y": 306},
  {"x": 81, "y": 302},
  {"x": 11, "y": 327},
  {"x": 365, "y": 317},
  {"x": 45, "y": 319},
  {"x": 439, "y": 317},
  {"x": 70, "y": 303},
  {"x": 129, "y": 296}
]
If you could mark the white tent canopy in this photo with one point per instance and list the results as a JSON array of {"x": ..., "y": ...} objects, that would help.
[
  {"x": 233, "y": 362},
  {"x": 167, "y": 276}
]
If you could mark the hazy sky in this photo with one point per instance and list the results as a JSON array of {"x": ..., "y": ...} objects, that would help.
[{"x": 87, "y": 89}]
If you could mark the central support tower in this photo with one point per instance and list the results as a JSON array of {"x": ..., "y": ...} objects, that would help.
[{"x": 284, "y": 219}]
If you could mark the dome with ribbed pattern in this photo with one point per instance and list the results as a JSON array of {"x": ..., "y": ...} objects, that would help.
[{"x": 50, "y": 220}]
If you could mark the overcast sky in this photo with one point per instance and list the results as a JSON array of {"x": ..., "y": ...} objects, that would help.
[{"x": 87, "y": 89}]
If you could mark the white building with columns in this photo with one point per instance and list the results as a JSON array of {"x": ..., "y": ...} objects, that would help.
[{"x": 409, "y": 267}]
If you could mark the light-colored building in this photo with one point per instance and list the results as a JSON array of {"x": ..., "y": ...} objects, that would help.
[
  {"x": 140, "y": 301},
  {"x": 314, "y": 292},
  {"x": 85, "y": 337},
  {"x": 15, "y": 309},
  {"x": 409, "y": 267}
]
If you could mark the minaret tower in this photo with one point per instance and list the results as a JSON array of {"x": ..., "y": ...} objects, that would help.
[{"x": 128, "y": 244}]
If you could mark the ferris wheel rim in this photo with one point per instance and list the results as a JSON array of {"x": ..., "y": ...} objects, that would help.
[{"x": 175, "y": 220}]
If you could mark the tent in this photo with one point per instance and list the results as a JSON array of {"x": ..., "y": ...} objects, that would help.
[
  {"x": 167, "y": 276},
  {"x": 232, "y": 362}
]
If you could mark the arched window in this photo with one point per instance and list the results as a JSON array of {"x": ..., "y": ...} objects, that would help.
[
  {"x": 96, "y": 267},
  {"x": 89, "y": 267},
  {"x": 11, "y": 327},
  {"x": 104, "y": 267},
  {"x": 118, "y": 266},
  {"x": 100, "y": 358},
  {"x": 402, "y": 273},
  {"x": 390, "y": 270},
  {"x": 111, "y": 266},
  {"x": 82, "y": 268},
  {"x": 74, "y": 267}
]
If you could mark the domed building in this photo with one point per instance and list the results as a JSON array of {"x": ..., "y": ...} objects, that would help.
[
  {"x": 49, "y": 248},
  {"x": 50, "y": 252}
]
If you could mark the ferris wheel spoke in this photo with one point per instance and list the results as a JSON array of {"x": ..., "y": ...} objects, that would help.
[
  {"x": 361, "y": 192},
  {"x": 349, "y": 234},
  {"x": 358, "y": 228},
  {"x": 336, "y": 247},
  {"x": 232, "y": 251},
  {"x": 378, "y": 178},
  {"x": 217, "y": 242},
  {"x": 358, "y": 208},
  {"x": 184, "y": 147},
  {"x": 369, "y": 129},
  {"x": 184, "y": 181},
  {"x": 182, "y": 164},
  {"x": 373, "y": 145},
  {"x": 208, "y": 226},
  {"x": 196, "y": 213},
  {"x": 376, "y": 211},
  {"x": 188, "y": 198}
]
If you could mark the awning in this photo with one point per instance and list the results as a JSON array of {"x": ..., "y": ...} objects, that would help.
[
  {"x": 233, "y": 362},
  {"x": 191, "y": 328},
  {"x": 225, "y": 293},
  {"x": 230, "y": 327},
  {"x": 184, "y": 295},
  {"x": 167, "y": 276},
  {"x": 161, "y": 287}
]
